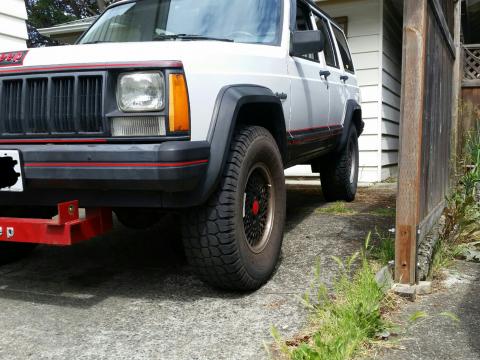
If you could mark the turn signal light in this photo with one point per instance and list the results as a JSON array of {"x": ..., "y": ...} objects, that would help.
[{"x": 179, "y": 110}]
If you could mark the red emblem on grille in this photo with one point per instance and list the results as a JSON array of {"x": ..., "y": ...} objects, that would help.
[{"x": 14, "y": 58}]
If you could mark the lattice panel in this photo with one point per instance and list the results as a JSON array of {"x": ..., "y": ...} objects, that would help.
[{"x": 472, "y": 64}]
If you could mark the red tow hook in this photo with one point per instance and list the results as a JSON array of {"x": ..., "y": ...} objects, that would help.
[{"x": 67, "y": 228}]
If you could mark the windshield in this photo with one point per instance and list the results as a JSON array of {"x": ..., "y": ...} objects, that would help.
[{"x": 246, "y": 21}]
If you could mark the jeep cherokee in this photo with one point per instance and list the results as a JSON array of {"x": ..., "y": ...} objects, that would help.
[{"x": 189, "y": 106}]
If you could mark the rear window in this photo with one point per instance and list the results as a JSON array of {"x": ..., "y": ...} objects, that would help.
[{"x": 344, "y": 51}]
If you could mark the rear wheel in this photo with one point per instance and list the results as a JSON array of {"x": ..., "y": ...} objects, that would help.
[
  {"x": 13, "y": 251},
  {"x": 339, "y": 174},
  {"x": 234, "y": 241}
]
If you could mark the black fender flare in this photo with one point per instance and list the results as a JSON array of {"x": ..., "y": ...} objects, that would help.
[
  {"x": 228, "y": 104},
  {"x": 224, "y": 121},
  {"x": 351, "y": 107}
]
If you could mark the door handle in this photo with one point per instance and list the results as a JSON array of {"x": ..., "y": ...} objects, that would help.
[
  {"x": 325, "y": 74},
  {"x": 344, "y": 78}
]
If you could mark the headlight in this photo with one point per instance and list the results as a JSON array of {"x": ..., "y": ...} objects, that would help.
[{"x": 141, "y": 92}]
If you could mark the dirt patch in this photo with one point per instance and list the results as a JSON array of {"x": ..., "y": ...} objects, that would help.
[{"x": 377, "y": 197}]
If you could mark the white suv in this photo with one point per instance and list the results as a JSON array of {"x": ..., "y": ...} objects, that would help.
[{"x": 166, "y": 105}]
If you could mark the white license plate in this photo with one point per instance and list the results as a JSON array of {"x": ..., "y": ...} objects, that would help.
[{"x": 9, "y": 175}]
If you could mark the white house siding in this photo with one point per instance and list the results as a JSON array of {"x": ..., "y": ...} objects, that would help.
[
  {"x": 365, "y": 39},
  {"x": 13, "y": 30},
  {"x": 391, "y": 89}
]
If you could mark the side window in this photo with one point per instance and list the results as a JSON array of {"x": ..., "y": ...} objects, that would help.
[
  {"x": 344, "y": 51},
  {"x": 304, "y": 23},
  {"x": 329, "y": 52}
]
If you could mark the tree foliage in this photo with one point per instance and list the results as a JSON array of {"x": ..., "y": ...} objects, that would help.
[{"x": 47, "y": 13}]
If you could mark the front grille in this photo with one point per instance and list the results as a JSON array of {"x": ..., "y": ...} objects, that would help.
[
  {"x": 90, "y": 103},
  {"x": 52, "y": 105},
  {"x": 36, "y": 112},
  {"x": 62, "y": 105},
  {"x": 12, "y": 106}
]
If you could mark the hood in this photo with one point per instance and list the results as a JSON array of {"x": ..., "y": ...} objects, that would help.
[{"x": 188, "y": 52}]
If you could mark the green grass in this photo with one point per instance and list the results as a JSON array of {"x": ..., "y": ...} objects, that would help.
[
  {"x": 443, "y": 257},
  {"x": 346, "y": 320},
  {"x": 384, "y": 249},
  {"x": 444, "y": 254},
  {"x": 337, "y": 208},
  {"x": 384, "y": 212}
]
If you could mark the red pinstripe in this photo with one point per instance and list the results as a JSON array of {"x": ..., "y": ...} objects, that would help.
[{"x": 115, "y": 165}]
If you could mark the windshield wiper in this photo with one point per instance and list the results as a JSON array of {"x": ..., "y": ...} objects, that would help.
[
  {"x": 97, "y": 42},
  {"x": 189, "y": 37}
]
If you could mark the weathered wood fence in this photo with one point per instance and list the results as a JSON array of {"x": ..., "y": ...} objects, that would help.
[{"x": 430, "y": 55}]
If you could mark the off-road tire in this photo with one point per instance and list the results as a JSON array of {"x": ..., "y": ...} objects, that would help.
[
  {"x": 215, "y": 240},
  {"x": 339, "y": 174},
  {"x": 12, "y": 251}
]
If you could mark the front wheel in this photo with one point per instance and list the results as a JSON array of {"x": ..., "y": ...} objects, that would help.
[
  {"x": 234, "y": 241},
  {"x": 339, "y": 174}
]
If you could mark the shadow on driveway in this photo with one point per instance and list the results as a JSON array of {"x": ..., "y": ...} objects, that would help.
[
  {"x": 147, "y": 264},
  {"x": 131, "y": 295}
]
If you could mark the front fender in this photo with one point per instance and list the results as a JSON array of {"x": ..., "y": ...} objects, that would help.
[{"x": 229, "y": 102}]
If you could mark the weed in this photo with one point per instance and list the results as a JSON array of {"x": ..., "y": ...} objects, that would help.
[
  {"x": 390, "y": 180},
  {"x": 384, "y": 212},
  {"x": 421, "y": 316},
  {"x": 444, "y": 255},
  {"x": 462, "y": 217},
  {"x": 344, "y": 321},
  {"x": 463, "y": 214},
  {"x": 337, "y": 208},
  {"x": 384, "y": 249},
  {"x": 417, "y": 315},
  {"x": 469, "y": 252}
]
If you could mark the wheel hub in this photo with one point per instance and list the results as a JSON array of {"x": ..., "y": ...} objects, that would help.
[
  {"x": 258, "y": 205},
  {"x": 255, "y": 207}
]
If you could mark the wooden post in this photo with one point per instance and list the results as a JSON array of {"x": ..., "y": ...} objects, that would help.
[
  {"x": 456, "y": 90},
  {"x": 411, "y": 131}
]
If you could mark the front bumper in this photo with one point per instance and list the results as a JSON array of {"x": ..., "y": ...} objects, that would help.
[{"x": 104, "y": 174}]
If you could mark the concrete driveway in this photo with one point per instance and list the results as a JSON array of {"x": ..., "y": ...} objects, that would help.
[
  {"x": 435, "y": 336},
  {"x": 130, "y": 294}
]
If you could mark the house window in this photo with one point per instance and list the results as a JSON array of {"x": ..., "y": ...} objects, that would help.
[{"x": 342, "y": 21}]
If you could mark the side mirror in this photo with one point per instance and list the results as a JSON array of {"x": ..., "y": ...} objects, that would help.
[{"x": 306, "y": 42}]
